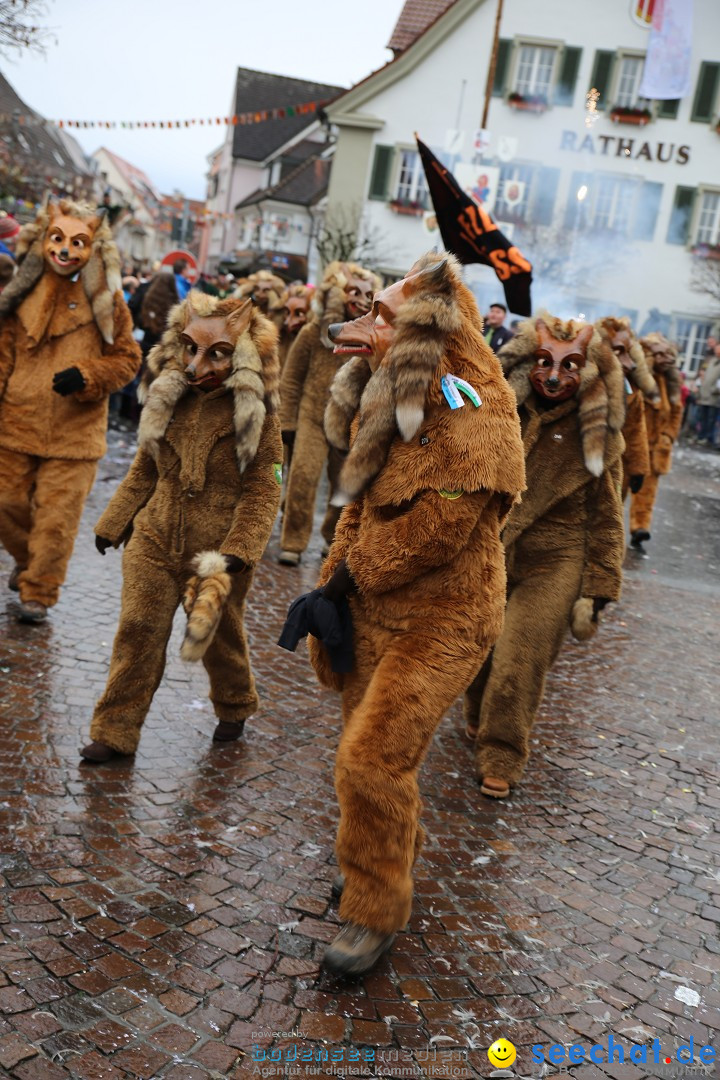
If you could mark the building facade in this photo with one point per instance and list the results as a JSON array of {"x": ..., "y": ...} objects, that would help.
[{"x": 615, "y": 200}]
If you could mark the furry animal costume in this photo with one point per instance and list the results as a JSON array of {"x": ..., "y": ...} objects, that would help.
[
  {"x": 287, "y": 339},
  {"x": 640, "y": 387},
  {"x": 205, "y": 479},
  {"x": 308, "y": 373},
  {"x": 429, "y": 487},
  {"x": 564, "y": 542},
  {"x": 273, "y": 289},
  {"x": 663, "y": 417},
  {"x": 49, "y": 443}
]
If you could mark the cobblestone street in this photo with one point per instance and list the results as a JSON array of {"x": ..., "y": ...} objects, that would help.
[{"x": 162, "y": 915}]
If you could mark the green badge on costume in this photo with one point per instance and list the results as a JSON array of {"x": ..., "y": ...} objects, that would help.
[
  {"x": 277, "y": 473},
  {"x": 451, "y": 494}
]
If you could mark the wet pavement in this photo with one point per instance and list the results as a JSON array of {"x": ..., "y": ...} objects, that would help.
[{"x": 162, "y": 917}]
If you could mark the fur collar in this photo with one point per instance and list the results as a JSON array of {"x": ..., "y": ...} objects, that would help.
[
  {"x": 328, "y": 303},
  {"x": 254, "y": 380},
  {"x": 672, "y": 375},
  {"x": 100, "y": 277},
  {"x": 601, "y": 404},
  {"x": 641, "y": 377}
]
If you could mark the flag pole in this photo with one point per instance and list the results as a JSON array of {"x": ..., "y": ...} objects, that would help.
[{"x": 493, "y": 65}]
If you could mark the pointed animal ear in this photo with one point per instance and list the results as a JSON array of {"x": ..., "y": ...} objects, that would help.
[
  {"x": 94, "y": 222},
  {"x": 543, "y": 331},
  {"x": 583, "y": 338},
  {"x": 53, "y": 210},
  {"x": 431, "y": 276},
  {"x": 239, "y": 319}
]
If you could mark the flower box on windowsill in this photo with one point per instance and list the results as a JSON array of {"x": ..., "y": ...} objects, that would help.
[
  {"x": 706, "y": 251},
  {"x": 405, "y": 206},
  {"x": 528, "y": 103},
  {"x": 622, "y": 115}
]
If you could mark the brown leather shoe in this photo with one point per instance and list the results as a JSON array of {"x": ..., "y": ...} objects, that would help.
[
  {"x": 13, "y": 579},
  {"x": 31, "y": 611},
  {"x": 495, "y": 787},
  {"x": 98, "y": 753},
  {"x": 225, "y": 732},
  {"x": 356, "y": 950}
]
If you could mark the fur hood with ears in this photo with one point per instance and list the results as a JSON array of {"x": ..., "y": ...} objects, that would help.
[
  {"x": 437, "y": 331},
  {"x": 671, "y": 375},
  {"x": 328, "y": 302},
  {"x": 246, "y": 287},
  {"x": 642, "y": 376},
  {"x": 254, "y": 380},
  {"x": 601, "y": 407},
  {"x": 101, "y": 276}
]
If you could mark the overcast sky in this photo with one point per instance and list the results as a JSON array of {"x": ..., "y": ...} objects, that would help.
[{"x": 160, "y": 60}]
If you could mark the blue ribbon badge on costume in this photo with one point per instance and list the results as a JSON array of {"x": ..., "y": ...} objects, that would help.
[{"x": 453, "y": 387}]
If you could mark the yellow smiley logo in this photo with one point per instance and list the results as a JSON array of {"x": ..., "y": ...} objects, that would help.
[{"x": 502, "y": 1053}]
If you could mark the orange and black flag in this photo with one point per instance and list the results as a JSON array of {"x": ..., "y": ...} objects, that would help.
[{"x": 470, "y": 233}]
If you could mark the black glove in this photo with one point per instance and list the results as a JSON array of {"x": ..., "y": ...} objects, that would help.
[
  {"x": 69, "y": 381},
  {"x": 288, "y": 438},
  {"x": 636, "y": 482},
  {"x": 233, "y": 565},
  {"x": 599, "y": 602},
  {"x": 102, "y": 544},
  {"x": 340, "y": 584}
]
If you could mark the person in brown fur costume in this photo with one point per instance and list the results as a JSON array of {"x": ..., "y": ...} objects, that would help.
[
  {"x": 196, "y": 510},
  {"x": 564, "y": 542},
  {"x": 639, "y": 387},
  {"x": 267, "y": 291},
  {"x": 427, "y": 484},
  {"x": 295, "y": 310},
  {"x": 663, "y": 417},
  {"x": 66, "y": 344},
  {"x": 345, "y": 292}
]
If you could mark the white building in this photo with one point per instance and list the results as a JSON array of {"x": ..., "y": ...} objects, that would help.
[
  {"x": 255, "y": 157},
  {"x": 136, "y": 233},
  {"x": 609, "y": 214}
]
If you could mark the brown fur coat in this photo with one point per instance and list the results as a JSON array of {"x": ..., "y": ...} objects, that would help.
[{"x": 663, "y": 415}]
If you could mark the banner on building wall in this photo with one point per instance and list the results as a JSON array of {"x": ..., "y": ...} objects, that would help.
[
  {"x": 469, "y": 232},
  {"x": 666, "y": 74},
  {"x": 507, "y": 147},
  {"x": 480, "y": 182}
]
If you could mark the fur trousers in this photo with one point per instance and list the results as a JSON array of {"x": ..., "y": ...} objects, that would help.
[
  {"x": 504, "y": 698},
  {"x": 401, "y": 688},
  {"x": 153, "y": 587},
  {"x": 309, "y": 454},
  {"x": 41, "y": 503},
  {"x": 641, "y": 505}
]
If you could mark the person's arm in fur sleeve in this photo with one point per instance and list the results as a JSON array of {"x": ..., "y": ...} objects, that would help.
[
  {"x": 637, "y": 455},
  {"x": 259, "y": 502},
  {"x": 346, "y": 532},
  {"x": 396, "y": 549},
  {"x": 293, "y": 379},
  {"x": 115, "y": 524},
  {"x": 605, "y": 544},
  {"x": 7, "y": 350},
  {"x": 118, "y": 364}
]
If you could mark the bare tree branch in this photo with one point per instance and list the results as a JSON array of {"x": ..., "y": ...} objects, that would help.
[
  {"x": 705, "y": 278},
  {"x": 21, "y": 27}
]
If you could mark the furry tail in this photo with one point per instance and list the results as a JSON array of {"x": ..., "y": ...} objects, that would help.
[
  {"x": 582, "y": 624},
  {"x": 204, "y": 599}
]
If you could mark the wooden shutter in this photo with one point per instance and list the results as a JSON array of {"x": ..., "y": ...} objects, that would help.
[
  {"x": 502, "y": 64},
  {"x": 647, "y": 206},
  {"x": 380, "y": 175},
  {"x": 668, "y": 110},
  {"x": 569, "y": 66},
  {"x": 706, "y": 92},
  {"x": 679, "y": 227},
  {"x": 545, "y": 184},
  {"x": 602, "y": 75}
]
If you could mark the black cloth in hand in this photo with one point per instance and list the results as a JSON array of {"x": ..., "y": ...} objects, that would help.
[
  {"x": 330, "y": 622},
  {"x": 340, "y": 584},
  {"x": 233, "y": 565},
  {"x": 102, "y": 544},
  {"x": 69, "y": 381},
  {"x": 599, "y": 602},
  {"x": 636, "y": 482},
  {"x": 288, "y": 438}
]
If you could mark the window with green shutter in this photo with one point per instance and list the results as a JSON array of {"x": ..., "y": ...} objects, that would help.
[
  {"x": 602, "y": 75},
  {"x": 668, "y": 110},
  {"x": 567, "y": 77},
  {"x": 706, "y": 92},
  {"x": 647, "y": 207},
  {"x": 380, "y": 175},
  {"x": 502, "y": 64},
  {"x": 679, "y": 227}
]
